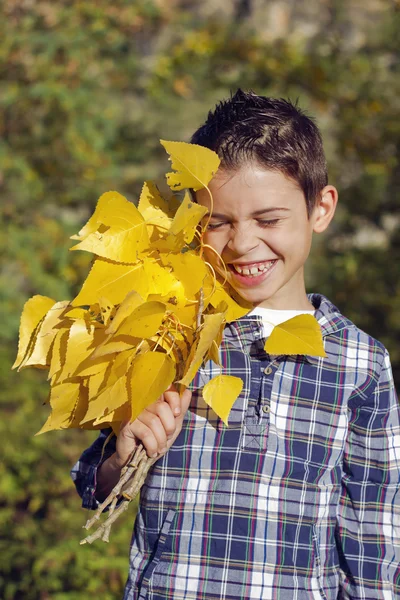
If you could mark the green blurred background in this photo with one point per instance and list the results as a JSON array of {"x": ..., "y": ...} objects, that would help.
[{"x": 86, "y": 91}]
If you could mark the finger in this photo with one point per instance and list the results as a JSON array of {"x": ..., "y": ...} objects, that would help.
[
  {"x": 146, "y": 436},
  {"x": 185, "y": 402},
  {"x": 163, "y": 411},
  {"x": 153, "y": 422},
  {"x": 171, "y": 396}
]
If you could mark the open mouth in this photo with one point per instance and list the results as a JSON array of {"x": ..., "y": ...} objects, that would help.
[{"x": 252, "y": 269}]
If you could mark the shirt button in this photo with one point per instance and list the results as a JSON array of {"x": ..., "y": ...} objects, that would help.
[
  {"x": 268, "y": 370},
  {"x": 265, "y": 408}
]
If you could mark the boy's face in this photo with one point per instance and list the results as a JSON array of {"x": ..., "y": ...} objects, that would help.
[{"x": 260, "y": 228}]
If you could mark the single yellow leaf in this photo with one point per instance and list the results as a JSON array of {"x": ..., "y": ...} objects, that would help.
[
  {"x": 152, "y": 373},
  {"x": 214, "y": 349},
  {"x": 80, "y": 408},
  {"x": 208, "y": 333},
  {"x": 214, "y": 293},
  {"x": 33, "y": 312},
  {"x": 153, "y": 207},
  {"x": 125, "y": 246},
  {"x": 94, "y": 365},
  {"x": 39, "y": 354},
  {"x": 63, "y": 400},
  {"x": 112, "y": 346},
  {"x": 75, "y": 313},
  {"x": 189, "y": 269},
  {"x": 185, "y": 314},
  {"x": 299, "y": 335},
  {"x": 107, "y": 310},
  {"x": 99, "y": 382},
  {"x": 114, "y": 418},
  {"x": 144, "y": 322},
  {"x": 112, "y": 210},
  {"x": 108, "y": 400},
  {"x": 113, "y": 281},
  {"x": 220, "y": 394},
  {"x": 58, "y": 352},
  {"x": 163, "y": 283},
  {"x": 186, "y": 220},
  {"x": 131, "y": 301},
  {"x": 195, "y": 165},
  {"x": 112, "y": 372},
  {"x": 80, "y": 346}
]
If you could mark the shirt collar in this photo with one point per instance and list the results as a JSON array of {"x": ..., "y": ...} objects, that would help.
[
  {"x": 249, "y": 328},
  {"x": 328, "y": 315}
]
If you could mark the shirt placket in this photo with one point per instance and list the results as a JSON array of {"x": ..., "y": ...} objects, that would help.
[{"x": 256, "y": 422}]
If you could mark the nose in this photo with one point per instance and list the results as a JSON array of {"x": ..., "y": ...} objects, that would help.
[{"x": 242, "y": 240}]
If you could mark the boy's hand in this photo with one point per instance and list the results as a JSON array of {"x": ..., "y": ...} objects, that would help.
[{"x": 157, "y": 427}]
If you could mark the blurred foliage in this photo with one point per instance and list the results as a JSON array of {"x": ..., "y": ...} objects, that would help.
[{"x": 86, "y": 91}]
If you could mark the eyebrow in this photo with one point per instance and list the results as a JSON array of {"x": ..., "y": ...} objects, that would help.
[{"x": 255, "y": 213}]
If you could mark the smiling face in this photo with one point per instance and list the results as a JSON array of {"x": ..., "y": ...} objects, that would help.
[{"x": 260, "y": 228}]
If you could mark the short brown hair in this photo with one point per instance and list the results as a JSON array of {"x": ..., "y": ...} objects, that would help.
[{"x": 275, "y": 133}]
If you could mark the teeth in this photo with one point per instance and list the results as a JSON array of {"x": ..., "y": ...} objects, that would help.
[{"x": 255, "y": 270}]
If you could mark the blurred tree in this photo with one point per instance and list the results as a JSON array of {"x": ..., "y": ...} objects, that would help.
[{"x": 86, "y": 91}]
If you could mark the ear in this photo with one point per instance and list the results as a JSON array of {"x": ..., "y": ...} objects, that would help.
[{"x": 325, "y": 209}]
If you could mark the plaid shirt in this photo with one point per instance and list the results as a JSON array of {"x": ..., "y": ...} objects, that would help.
[{"x": 299, "y": 498}]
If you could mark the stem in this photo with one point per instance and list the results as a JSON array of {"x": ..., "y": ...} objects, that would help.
[{"x": 131, "y": 480}]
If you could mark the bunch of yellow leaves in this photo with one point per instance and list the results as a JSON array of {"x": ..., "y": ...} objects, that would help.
[{"x": 148, "y": 314}]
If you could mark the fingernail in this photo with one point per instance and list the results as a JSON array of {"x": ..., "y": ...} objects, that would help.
[
  {"x": 177, "y": 411},
  {"x": 154, "y": 455}
]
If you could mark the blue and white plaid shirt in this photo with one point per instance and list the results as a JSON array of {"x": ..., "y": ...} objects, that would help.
[{"x": 299, "y": 498}]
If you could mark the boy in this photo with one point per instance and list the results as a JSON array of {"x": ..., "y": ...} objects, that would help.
[{"x": 299, "y": 496}]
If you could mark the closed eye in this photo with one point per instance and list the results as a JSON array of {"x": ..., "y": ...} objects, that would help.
[
  {"x": 213, "y": 226},
  {"x": 268, "y": 222}
]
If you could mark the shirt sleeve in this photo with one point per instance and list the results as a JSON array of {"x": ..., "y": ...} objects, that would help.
[
  {"x": 368, "y": 523},
  {"x": 84, "y": 472}
]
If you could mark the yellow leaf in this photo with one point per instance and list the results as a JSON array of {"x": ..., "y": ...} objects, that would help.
[
  {"x": 215, "y": 294},
  {"x": 195, "y": 165},
  {"x": 164, "y": 284},
  {"x": 125, "y": 246},
  {"x": 220, "y": 394},
  {"x": 115, "y": 346},
  {"x": 299, "y": 335},
  {"x": 214, "y": 349},
  {"x": 58, "y": 352},
  {"x": 80, "y": 346},
  {"x": 106, "y": 310},
  {"x": 152, "y": 373},
  {"x": 111, "y": 373},
  {"x": 33, "y": 312},
  {"x": 75, "y": 313},
  {"x": 110, "y": 399},
  {"x": 114, "y": 418},
  {"x": 131, "y": 301},
  {"x": 189, "y": 269},
  {"x": 113, "y": 281},
  {"x": 112, "y": 210},
  {"x": 144, "y": 322},
  {"x": 94, "y": 365},
  {"x": 80, "y": 408},
  {"x": 63, "y": 400},
  {"x": 208, "y": 333},
  {"x": 186, "y": 220},
  {"x": 45, "y": 336},
  {"x": 99, "y": 381},
  {"x": 153, "y": 207}
]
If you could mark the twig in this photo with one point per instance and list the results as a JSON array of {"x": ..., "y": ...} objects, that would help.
[
  {"x": 200, "y": 309},
  {"x": 134, "y": 473}
]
